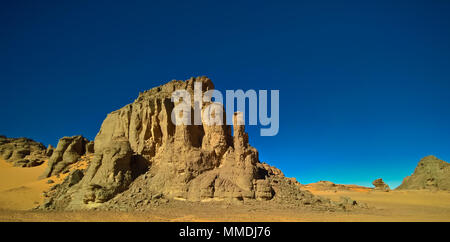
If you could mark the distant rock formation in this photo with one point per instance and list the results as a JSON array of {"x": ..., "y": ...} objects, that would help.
[
  {"x": 380, "y": 185},
  {"x": 430, "y": 173},
  {"x": 68, "y": 151},
  {"x": 22, "y": 152},
  {"x": 141, "y": 155},
  {"x": 330, "y": 186}
]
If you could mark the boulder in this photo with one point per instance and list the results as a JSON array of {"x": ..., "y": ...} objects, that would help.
[
  {"x": 74, "y": 177},
  {"x": 380, "y": 185}
]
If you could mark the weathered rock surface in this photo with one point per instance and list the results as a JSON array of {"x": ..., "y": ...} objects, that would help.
[
  {"x": 141, "y": 156},
  {"x": 68, "y": 151},
  {"x": 430, "y": 173},
  {"x": 22, "y": 152},
  {"x": 380, "y": 185}
]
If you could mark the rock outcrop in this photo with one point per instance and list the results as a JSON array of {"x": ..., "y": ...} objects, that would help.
[
  {"x": 330, "y": 186},
  {"x": 380, "y": 185},
  {"x": 68, "y": 151},
  {"x": 431, "y": 173},
  {"x": 49, "y": 151},
  {"x": 141, "y": 155},
  {"x": 22, "y": 152}
]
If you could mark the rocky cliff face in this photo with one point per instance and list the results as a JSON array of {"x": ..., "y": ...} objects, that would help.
[
  {"x": 141, "y": 154},
  {"x": 22, "y": 152},
  {"x": 430, "y": 173}
]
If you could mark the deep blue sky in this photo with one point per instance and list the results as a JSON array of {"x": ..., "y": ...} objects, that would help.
[{"x": 364, "y": 87}]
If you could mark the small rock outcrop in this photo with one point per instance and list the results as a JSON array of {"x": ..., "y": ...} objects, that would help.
[
  {"x": 380, "y": 185},
  {"x": 109, "y": 173},
  {"x": 431, "y": 173},
  {"x": 68, "y": 151},
  {"x": 22, "y": 152},
  {"x": 90, "y": 147}
]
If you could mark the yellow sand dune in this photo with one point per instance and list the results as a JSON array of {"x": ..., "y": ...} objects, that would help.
[{"x": 20, "y": 188}]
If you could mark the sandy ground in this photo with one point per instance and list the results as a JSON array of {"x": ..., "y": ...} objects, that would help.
[{"x": 20, "y": 190}]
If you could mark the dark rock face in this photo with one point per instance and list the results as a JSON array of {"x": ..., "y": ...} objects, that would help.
[
  {"x": 49, "y": 151},
  {"x": 89, "y": 147},
  {"x": 68, "y": 151},
  {"x": 22, "y": 152},
  {"x": 430, "y": 173},
  {"x": 380, "y": 185}
]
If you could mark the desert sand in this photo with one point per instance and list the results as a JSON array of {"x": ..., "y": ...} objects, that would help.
[
  {"x": 20, "y": 191},
  {"x": 20, "y": 188}
]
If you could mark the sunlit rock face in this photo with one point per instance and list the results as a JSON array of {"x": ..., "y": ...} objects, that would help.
[
  {"x": 184, "y": 162},
  {"x": 68, "y": 151},
  {"x": 431, "y": 173},
  {"x": 22, "y": 152}
]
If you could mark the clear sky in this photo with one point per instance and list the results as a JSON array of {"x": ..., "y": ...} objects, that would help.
[{"x": 364, "y": 85}]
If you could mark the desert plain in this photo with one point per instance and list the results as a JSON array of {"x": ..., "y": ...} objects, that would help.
[{"x": 21, "y": 191}]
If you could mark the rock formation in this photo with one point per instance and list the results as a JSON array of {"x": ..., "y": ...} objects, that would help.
[
  {"x": 141, "y": 155},
  {"x": 430, "y": 173},
  {"x": 49, "y": 151},
  {"x": 380, "y": 185},
  {"x": 89, "y": 147},
  {"x": 330, "y": 186},
  {"x": 22, "y": 152},
  {"x": 68, "y": 151}
]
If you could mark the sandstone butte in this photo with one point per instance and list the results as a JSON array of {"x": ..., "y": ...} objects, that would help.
[{"x": 140, "y": 155}]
